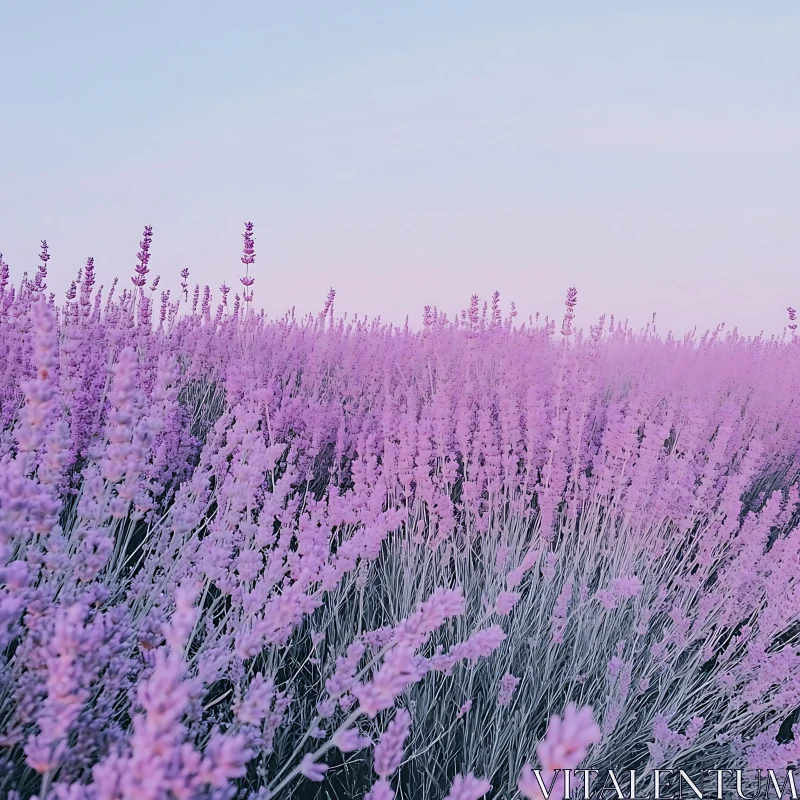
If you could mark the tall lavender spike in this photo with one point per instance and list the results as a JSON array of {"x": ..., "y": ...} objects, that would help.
[
  {"x": 248, "y": 258},
  {"x": 571, "y": 302},
  {"x": 41, "y": 272},
  {"x": 3, "y": 275},
  {"x": 143, "y": 256}
]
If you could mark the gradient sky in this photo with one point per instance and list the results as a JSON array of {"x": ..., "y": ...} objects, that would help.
[{"x": 415, "y": 152}]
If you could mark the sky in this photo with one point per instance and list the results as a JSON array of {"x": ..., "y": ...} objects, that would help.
[{"x": 415, "y": 153}]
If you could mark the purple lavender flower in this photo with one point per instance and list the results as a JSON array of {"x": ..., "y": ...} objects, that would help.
[
  {"x": 468, "y": 787},
  {"x": 389, "y": 750},
  {"x": 508, "y": 685},
  {"x": 248, "y": 258},
  {"x": 141, "y": 269}
]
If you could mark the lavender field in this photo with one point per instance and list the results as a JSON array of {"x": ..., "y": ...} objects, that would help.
[{"x": 326, "y": 557}]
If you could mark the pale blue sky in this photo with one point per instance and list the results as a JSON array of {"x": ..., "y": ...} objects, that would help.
[{"x": 415, "y": 152}]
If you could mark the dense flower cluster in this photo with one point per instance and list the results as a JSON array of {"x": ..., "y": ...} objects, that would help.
[{"x": 251, "y": 558}]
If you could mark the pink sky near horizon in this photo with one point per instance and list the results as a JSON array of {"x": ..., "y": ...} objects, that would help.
[{"x": 415, "y": 155}]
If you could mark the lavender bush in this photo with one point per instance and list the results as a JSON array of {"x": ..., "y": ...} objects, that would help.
[{"x": 312, "y": 557}]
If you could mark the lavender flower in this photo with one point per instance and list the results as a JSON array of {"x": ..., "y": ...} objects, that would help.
[
  {"x": 389, "y": 750},
  {"x": 468, "y": 787},
  {"x": 143, "y": 256},
  {"x": 508, "y": 684}
]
